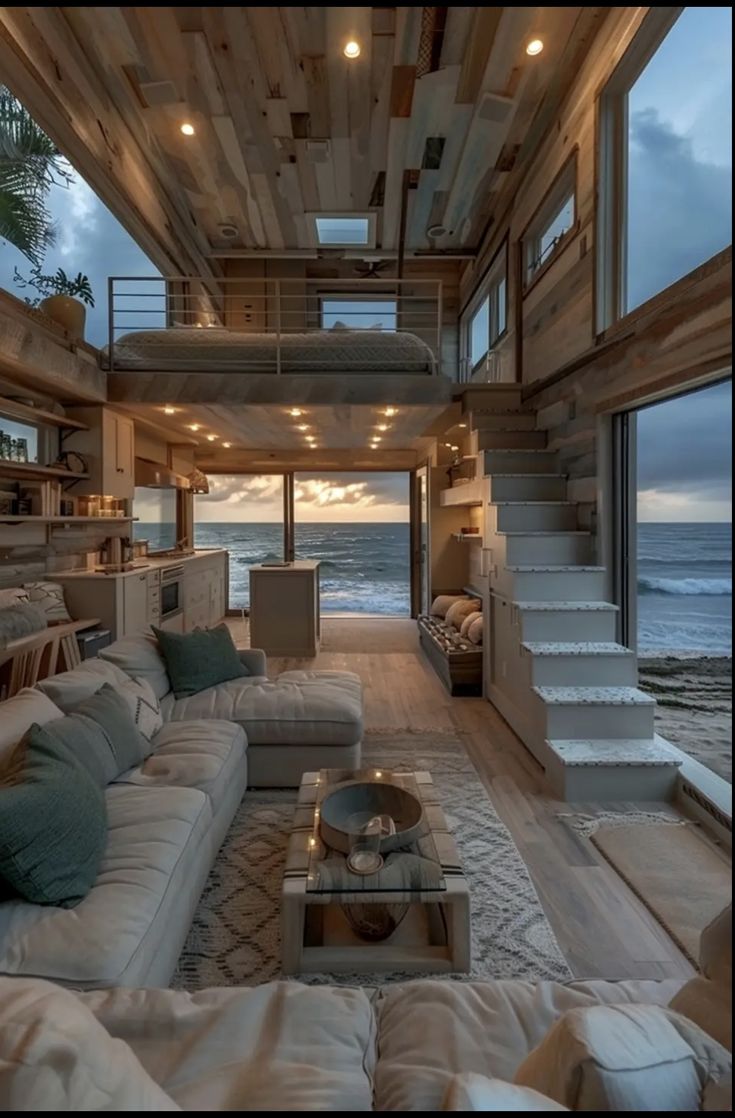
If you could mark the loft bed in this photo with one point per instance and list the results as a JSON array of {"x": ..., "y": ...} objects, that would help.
[{"x": 273, "y": 326}]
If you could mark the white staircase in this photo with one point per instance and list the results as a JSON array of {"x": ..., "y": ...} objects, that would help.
[{"x": 556, "y": 671}]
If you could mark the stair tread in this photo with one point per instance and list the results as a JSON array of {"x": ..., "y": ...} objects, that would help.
[
  {"x": 552, "y": 568},
  {"x": 577, "y": 648},
  {"x": 595, "y": 752},
  {"x": 552, "y": 606},
  {"x": 594, "y": 696}
]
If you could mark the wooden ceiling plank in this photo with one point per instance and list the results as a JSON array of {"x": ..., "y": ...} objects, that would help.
[
  {"x": 326, "y": 186},
  {"x": 360, "y": 108},
  {"x": 485, "y": 24},
  {"x": 381, "y": 78},
  {"x": 200, "y": 61},
  {"x": 317, "y": 93},
  {"x": 456, "y": 35},
  {"x": 397, "y": 138},
  {"x": 307, "y": 176},
  {"x": 407, "y": 35},
  {"x": 225, "y": 129}
]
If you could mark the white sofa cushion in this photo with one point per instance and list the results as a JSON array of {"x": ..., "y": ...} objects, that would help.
[
  {"x": 19, "y": 714},
  {"x": 707, "y": 999},
  {"x": 69, "y": 689},
  {"x": 140, "y": 658},
  {"x": 55, "y": 1056},
  {"x": 154, "y": 834},
  {"x": 431, "y": 1031},
  {"x": 298, "y": 708},
  {"x": 280, "y": 1046},
  {"x": 477, "y": 1092},
  {"x": 625, "y": 1057},
  {"x": 193, "y": 754}
]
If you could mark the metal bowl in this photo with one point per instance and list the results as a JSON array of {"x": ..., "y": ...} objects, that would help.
[{"x": 361, "y": 798}]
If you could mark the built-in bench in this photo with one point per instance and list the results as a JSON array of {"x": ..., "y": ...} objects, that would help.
[{"x": 456, "y": 661}]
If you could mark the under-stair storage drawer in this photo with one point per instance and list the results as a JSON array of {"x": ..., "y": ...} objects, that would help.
[{"x": 456, "y": 661}]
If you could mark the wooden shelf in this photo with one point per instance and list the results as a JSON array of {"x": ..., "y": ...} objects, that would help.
[
  {"x": 32, "y": 469},
  {"x": 467, "y": 536},
  {"x": 66, "y": 519},
  {"x": 16, "y": 410},
  {"x": 467, "y": 495}
]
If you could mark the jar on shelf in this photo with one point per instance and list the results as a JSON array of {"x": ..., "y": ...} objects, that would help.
[{"x": 5, "y": 441}]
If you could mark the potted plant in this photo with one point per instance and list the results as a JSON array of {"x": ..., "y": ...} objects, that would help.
[{"x": 63, "y": 297}]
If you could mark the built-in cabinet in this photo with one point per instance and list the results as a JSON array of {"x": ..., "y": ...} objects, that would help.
[
  {"x": 204, "y": 590},
  {"x": 108, "y": 448}
]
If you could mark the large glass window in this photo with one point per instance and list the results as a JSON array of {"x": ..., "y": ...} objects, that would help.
[
  {"x": 666, "y": 157},
  {"x": 551, "y": 223},
  {"x": 243, "y": 514},
  {"x": 486, "y": 320},
  {"x": 358, "y": 313},
  {"x": 155, "y": 510}
]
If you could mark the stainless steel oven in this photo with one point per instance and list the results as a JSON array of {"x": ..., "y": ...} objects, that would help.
[{"x": 172, "y": 598}]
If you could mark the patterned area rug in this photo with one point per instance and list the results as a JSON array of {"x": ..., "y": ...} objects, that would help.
[{"x": 235, "y": 936}]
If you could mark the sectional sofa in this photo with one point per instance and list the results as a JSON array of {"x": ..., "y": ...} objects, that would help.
[{"x": 167, "y": 817}]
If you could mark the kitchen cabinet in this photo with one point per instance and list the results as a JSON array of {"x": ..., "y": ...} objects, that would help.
[
  {"x": 135, "y": 603},
  {"x": 204, "y": 591},
  {"x": 109, "y": 450}
]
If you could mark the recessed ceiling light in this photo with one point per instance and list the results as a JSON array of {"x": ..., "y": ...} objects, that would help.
[
  {"x": 382, "y": 426},
  {"x": 296, "y": 412},
  {"x": 211, "y": 438},
  {"x": 227, "y": 445},
  {"x": 194, "y": 426},
  {"x": 436, "y": 231},
  {"x": 461, "y": 424},
  {"x": 454, "y": 448},
  {"x": 187, "y": 129},
  {"x": 351, "y": 49},
  {"x": 303, "y": 426},
  {"x": 313, "y": 446},
  {"x": 377, "y": 438},
  {"x": 169, "y": 410},
  {"x": 534, "y": 47},
  {"x": 391, "y": 411},
  {"x": 310, "y": 438}
]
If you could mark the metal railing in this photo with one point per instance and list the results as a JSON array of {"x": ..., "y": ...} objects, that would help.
[{"x": 275, "y": 325}]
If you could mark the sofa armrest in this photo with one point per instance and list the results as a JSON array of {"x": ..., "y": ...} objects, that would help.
[{"x": 254, "y": 660}]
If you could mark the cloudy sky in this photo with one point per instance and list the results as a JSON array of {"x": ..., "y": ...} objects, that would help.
[{"x": 680, "y": 160}]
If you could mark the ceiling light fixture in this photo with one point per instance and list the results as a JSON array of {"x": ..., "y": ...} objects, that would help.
[
  {"x": 187, "y": 129},
  {"x": 211, "y": 438},
  {"x": 391, "y": 411},
  {"x": 303, "y": 426},
  {"x": 534, "y": 47},
  {"x": 310, "y": 438},
  {"x": 351, "y": 49},
  {"x": 194, "y": 426},
  {"x": 461, "y": 424},
  {"x": 382, "y": 426},
  {"x": 227, "y": 445},
  {"x": 168, "y": 410},
  {"x": 296, "y": 412},
  {"x": 377, "y": 438}
]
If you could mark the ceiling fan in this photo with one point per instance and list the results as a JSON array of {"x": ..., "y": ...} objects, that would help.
[{"x": 368, "y": 269}]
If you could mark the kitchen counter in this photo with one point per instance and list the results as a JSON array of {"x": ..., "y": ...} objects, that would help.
[{"x": 150, "y": 563}]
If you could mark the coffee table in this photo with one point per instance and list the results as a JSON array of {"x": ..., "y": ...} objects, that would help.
[{"x": 434, "y": 934}]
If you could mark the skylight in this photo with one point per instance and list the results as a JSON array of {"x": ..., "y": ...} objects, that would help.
[{"x": 343, "y": 230}]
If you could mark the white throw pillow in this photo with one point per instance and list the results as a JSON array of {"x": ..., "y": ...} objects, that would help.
[
  {"x": 465, "y": 626},
  {"x": 707, "y": 999},
  {"x": 13, "y": 596},
  {"x": 50, "y": 597},
  {"x": 477, "y": 1092},
  {"x": 475, "y": 631},
  {"x": 625, "y": 1057},
  {"x": 442, "y": 602},
  {"x": 144, "y": 706},
  {"x": 456, "y": 614},
  {"x": 55, "y": 1056}
]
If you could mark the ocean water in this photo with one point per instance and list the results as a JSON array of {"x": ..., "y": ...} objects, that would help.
[
  {"x": 685, "y": 588},
  {"x": 365, "y": 568}
]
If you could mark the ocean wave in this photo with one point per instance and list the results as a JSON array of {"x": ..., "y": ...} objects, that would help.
[{"x": 722, "y": 587}]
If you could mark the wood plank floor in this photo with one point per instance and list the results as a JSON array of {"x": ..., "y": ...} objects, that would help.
[{"x": 602, "y": 928}]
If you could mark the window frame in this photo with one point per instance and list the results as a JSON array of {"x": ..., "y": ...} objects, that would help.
[
  {"x": 348, "y": 297},
  {"x": 341, "y": 215},
  {"x": 612, "y": 178},
  {"x": 492, "y": 287},
  {"x": 565, "y": 185}
]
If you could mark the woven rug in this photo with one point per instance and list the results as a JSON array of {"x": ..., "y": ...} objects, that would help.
[
  {"x": 235, "y": 936},
  {"x": 682, "y": 877}
]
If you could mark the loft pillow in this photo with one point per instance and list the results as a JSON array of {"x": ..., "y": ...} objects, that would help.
[
  {"x": 100, "y": 734},
  {"x": 53, "y": 823},
  {"x": 198, "y": 660}
]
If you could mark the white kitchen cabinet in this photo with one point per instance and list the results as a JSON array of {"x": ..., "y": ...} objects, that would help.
[
  {"x": 109, "y": 450},
  {"x": 204, "y": 591},
  {"x": 136, "y": 618}
]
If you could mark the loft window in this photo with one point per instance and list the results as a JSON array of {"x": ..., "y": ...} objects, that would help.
[
  {"x": 665, "y": 157},
  {"x": 344, "y": 230},
  {"x": 358, "y": 313},
  {"x": 551, "y": 225},
  {"x": 487, "y": 318}
]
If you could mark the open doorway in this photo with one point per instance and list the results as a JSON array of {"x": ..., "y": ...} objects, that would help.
[
  {"x": 676, "y": 550},
  {"x": 358, "y": 526}
]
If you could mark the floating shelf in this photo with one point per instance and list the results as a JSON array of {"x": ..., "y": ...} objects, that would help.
[
  {"x": 66, "y": 519},
  {"x": 32, "y": 469},
  {"x": 16, "y": 410},
  {"x": 467, "y": 495},
  {"x": 467, "y": 536}
]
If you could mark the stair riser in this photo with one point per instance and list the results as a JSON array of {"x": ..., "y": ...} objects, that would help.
[
  {"x": 537, "y": 518},
  {"x": 522, "y": 550},
  {"x": 611, "y": 783},
  {"x": 516, "y": 421},
  {"x": 558, "y": 586},
  {"x": 582, "y": 671},
  {"x": 519, "y": 462},
  {"x": 539, "y": 488},
  {"x": 591, "y": 720},
  {"x": 511, "y": 440},
  {"x": 584, "y": 625},
  {"x": 490, "y": 399}
]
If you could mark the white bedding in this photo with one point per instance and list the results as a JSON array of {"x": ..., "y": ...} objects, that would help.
[{"x": 189, "y": 349}]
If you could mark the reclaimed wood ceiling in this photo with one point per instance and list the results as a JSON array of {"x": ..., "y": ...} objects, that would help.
[{"x": 423, "y": 128}]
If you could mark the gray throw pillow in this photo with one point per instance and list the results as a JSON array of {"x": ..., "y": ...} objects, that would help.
[
  {"x": 198, "y": 660},
  {"x": 53, "y": 823},
  {"x": 101, "y": 735},
  {"x": 20, "y": 620}
]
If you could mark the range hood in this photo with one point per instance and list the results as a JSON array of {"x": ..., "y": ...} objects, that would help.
[{"x": 153, "y": 475}]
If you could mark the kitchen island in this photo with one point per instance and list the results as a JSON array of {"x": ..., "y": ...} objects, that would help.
[{"x": 284, "y": 608}]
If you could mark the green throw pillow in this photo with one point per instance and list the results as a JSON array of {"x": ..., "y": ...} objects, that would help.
[
  {"x": 198, "y": 660},
  {"x": 101, "y": 735},
  {"x": 53, "y": 823}
]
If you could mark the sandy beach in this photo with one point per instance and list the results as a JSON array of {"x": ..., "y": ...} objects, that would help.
[{"x": 694, "y": 696}]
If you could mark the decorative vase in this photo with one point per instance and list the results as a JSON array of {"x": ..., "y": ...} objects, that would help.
[{"x": 67, "y": 311}]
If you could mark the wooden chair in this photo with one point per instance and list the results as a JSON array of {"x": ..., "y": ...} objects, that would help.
[{"x": 53, "y": 650}]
